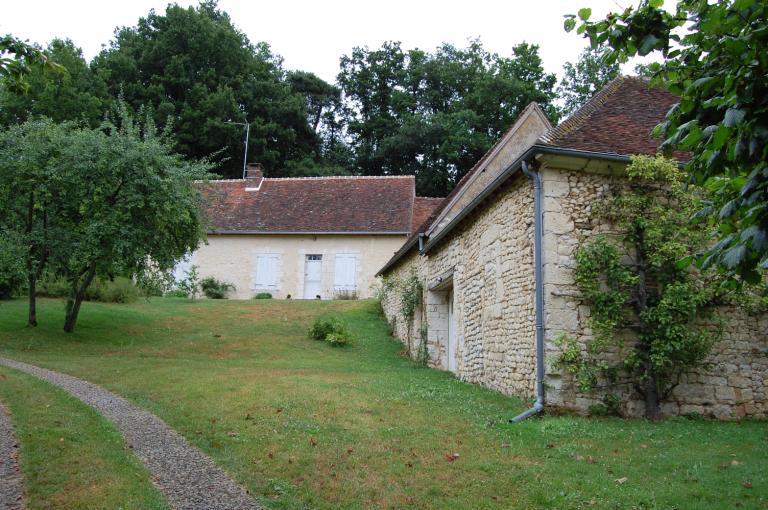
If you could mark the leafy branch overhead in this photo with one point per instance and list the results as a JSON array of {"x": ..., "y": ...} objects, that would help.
[{"x": 714, "y": 59}]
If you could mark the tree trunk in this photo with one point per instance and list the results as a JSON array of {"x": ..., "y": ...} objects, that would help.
[
  {"x": 651, "y": 390},
  {"x": 32, "y": 284},
  {"x": 650, "y": 381},
  {"x": 75, "y": 299}
]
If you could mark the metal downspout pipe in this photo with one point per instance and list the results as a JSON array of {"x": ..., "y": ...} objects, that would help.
[{"x": 538, "y": 265}]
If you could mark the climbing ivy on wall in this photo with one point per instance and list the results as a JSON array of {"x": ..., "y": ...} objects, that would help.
[{"x": 645, "y": 300}]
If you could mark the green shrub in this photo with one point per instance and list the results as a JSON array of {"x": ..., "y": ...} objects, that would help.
[
  {"x": 52, "y": 286},
  {"x": 119, "y": 290},
  {"x": 12, "y": 274},
  {"x": 339, "y": 339},
  {"x": 332, "y": 330},
  {"x": 176, "y": 293},
  {"x": 263, "y": 295},
  {"x": 215, "y": 289}
]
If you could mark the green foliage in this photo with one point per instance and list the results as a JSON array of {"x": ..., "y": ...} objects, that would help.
[
  {"x": 435, "y": 114},
  {"x": 215, "y": 289},
  {"x": 263, "y": 295},
  {"x": 332, "y": 330},
  {"x": 411, "y": 291},
  {"x": 118, "y": 290},
  {"x": 11, "y": 266},
  {"x": 422, "y": 356},
  {"x": 584, "y": 79},
  {"x": 635, "y": 285},
  {"x": 18, "y": 60},
  {"x": 74, "y": 93},
  {"x": 189, "y": 286},
  {"x": 714, "y": 60},
  {"x": 194, "y": 68},
  {"x": 97, "y": 202}
]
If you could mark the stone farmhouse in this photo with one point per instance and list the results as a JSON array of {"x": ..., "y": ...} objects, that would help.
[
  {"x": 496, "y": 261},
  {"x": 305, "y": 238}
]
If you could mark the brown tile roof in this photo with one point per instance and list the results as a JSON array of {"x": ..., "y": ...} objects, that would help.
[
  {"x": 312, "y": 204},
  {"x": 423, "y": 207},
  {"x": 617, "y": 120}
]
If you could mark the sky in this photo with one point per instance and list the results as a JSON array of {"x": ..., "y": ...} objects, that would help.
[{"x": 312, "y": 35}]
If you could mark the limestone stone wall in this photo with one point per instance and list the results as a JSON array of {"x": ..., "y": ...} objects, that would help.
[
  {"x": 734, "y": 380},
  {"x": 487, "y": 264}
]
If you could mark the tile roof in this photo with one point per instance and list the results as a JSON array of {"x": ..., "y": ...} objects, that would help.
[
  {"x": 321, "y": 204},
  {"x": 423, "y": 207},
  {"x": 617, "y": 120}
]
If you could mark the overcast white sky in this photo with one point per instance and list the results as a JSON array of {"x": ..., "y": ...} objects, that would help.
[{"x": 312, "y": 35}]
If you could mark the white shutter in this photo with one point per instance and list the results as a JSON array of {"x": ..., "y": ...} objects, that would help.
[
  {"x": 345, "y": 272},
  {"x": 266, "y": 270}
]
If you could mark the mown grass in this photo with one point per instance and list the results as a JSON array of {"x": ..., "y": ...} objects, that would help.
[
  {"x": 305, "y": 425},
  {"x": 70, "y": 457}
]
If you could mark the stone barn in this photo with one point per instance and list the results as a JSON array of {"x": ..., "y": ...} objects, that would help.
[{"x": 493, "y": 307}]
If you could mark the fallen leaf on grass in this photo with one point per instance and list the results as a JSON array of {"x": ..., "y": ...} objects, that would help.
[
  {"x": 643, "y": 446},
  {"x": 313, "y": 441},
  {"x": 578, "y": 457},
  {"x": 735, "y": 462},
  {"x": 747, "y": 484},
  {"x": 3, "y": 377},
  {"x": 590, "y": 460},
  {"x": 505, "y": 445},
  {"x": 271, "y": 455},
  {"x": 621, "y": 481},
  {"x": 550, "y": 445},
  {"x": 232, "y": 434},
  {"x": 350, "y": 450},
  {"x": 409, "y": 464},
  {"x": 450, "y": 457}
]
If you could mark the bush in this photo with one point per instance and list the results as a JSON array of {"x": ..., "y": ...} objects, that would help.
[
  {"x": 332, "y": 330},
  {"x": 119, "y": 290},
  {"x": 263, "y": 295},
  {"x": 52, "y": 286},
  {"x": 176, "y": 293},
  {"x": 12, "y": 274},
  {"x": 215, "y": 289}
]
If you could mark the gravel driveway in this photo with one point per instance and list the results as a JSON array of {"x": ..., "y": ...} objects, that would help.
[
  {"x": 189, "y": 479},
  {"x": 11, "y": 490}
]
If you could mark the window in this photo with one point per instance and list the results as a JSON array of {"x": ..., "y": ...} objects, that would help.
[
  {"x": 314, "y": 257},
  {"x": 267, "y": 265},
  {"x": 345, "y": 272}
]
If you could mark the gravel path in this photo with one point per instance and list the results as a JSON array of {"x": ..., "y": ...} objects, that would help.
[
  {"x": 11, "y": 491},
  {"x": 188, "y": 478}
]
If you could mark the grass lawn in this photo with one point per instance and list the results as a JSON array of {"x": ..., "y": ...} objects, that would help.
[
  {"x": 71, "y": 457},
  {"x": 305, "y": 425}
]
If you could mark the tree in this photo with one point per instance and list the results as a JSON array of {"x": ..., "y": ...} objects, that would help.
[
  {"x": 584, "y": 79},
  {"x": 97, "y": 202},
  {"x": 634, "y": 284},
  {"x": 30, "y": 198},
  {"x": 714, "y": 61},
  {"x": 74, "y": 93},
  {"x": 195, "y": 71},
  {"x": 17, "y": 59},
  {"x": 435, "y": 114}
]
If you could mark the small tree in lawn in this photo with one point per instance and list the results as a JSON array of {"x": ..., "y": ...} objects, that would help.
[
  {"x": 634, "y": 282},
  {"x": 128, "y": 203},
  {"x": 30, "y": 197}
]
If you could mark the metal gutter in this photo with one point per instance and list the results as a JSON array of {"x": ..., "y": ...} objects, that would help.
[{"x": 538, "y": 270}]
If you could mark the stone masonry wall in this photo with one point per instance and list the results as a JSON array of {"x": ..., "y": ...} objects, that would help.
[
  {"x": 734, "y": 380},
  {"x": 491, "y": 260}
]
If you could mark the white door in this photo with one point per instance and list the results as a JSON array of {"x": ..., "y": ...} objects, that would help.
[
  {"x": 344, "y": 273},
  {"x": 313, "y": 274},
  {"x": 451, "y": 335}
]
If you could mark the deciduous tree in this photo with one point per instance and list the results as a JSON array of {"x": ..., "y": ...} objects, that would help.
[
  {"x": 585, "y": 78},
  {"x": 713, "y": 58}
]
